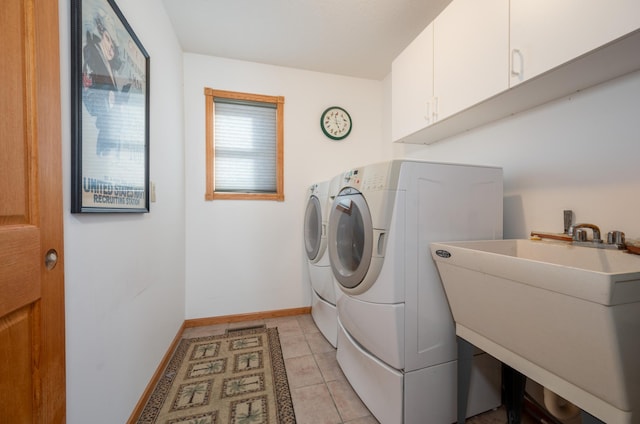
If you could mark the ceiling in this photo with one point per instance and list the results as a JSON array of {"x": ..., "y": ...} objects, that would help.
[{"x": 358, "y": 38}]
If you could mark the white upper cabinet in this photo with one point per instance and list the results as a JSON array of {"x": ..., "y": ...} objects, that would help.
[
  {"x": 412, "y": 86},
  {"x": 480, "y": 61},
  {"x": 471, "y": 54},
  {"x": 548, "y": 33}
]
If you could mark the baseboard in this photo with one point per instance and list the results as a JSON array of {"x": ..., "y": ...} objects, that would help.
[
  {"x": 198, "y": 322},
  {"x": 254, "y": 316},
  {"x": 135, "y": 415}
]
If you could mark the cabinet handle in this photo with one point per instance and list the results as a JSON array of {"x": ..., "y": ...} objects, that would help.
[
  {"x": 427, "y": 117},
  {"x": 434, "y": 113},
  {"x": 516, "y": 53}
]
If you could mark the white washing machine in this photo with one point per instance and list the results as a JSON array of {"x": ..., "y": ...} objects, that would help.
[
  {"x": 323, "y": 294},
  {"x": 396, "y": 336}
]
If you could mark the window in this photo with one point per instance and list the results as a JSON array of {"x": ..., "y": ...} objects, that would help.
[{"x": 244, "y": 135}]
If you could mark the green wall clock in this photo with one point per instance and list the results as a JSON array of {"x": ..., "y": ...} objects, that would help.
[{"x": 336, "y": 123}]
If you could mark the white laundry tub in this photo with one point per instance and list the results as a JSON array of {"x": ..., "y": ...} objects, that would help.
[{"x": 565, "y": 316}]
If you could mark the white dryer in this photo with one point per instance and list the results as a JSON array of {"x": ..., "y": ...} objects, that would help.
[
  {"x": 396, "y": 336},
  {"x": 323, "y": 295}
]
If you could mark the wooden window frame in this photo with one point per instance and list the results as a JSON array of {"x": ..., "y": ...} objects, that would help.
[{"x": 211, "y": 194}]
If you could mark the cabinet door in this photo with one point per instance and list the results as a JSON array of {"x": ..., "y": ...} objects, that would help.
[
  {"x": 471, "y": 54},
  {"x": 548, "y": 33},
  {"x": 412, "y": 86}
]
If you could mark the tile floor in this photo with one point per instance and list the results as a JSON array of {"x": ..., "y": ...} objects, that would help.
[{"x": 319, "y": 390}]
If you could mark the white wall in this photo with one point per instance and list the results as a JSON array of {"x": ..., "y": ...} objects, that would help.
[
  {"x": 578, "y": 153},
  {"x": 124, "y": 273},
  {"x": 247, "y": 256}
]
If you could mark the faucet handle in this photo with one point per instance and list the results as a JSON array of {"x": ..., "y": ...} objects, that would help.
[
  {"x": 615, "y": 237},
  {"x": 580, "y": 234}
]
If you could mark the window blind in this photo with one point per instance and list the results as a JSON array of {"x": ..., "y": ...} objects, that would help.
[{"x": 245, "y": 146}]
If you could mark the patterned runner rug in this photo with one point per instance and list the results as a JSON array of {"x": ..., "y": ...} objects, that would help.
[{"x": 234, "y": 378}]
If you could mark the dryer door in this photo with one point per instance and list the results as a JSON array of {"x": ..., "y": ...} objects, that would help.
[
  {"x": 350, "y": 238},
  {"x": 313, "y": 229}
]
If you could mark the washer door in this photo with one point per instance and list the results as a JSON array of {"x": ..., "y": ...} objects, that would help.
[
  {"x": 313, "y": 230},
  {"x": 350, "y": 238}
]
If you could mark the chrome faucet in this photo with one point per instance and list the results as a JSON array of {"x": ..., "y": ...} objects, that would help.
[
  {"x": 576, "y": 234},
  {"x": 579, "y": 233}
]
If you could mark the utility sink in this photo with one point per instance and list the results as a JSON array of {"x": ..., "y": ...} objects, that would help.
[{"x": 566, "y": 316}]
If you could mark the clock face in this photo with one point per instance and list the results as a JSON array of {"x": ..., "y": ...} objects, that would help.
[{"x": 335, "y": 123}]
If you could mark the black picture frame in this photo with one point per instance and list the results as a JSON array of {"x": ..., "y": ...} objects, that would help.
[{"x": 109, "y": 111}]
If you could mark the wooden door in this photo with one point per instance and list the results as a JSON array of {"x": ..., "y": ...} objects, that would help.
[{"x": 32, "y": 360}]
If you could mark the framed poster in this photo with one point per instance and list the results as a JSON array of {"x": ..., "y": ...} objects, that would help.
[{"x": 109, "y": 111}]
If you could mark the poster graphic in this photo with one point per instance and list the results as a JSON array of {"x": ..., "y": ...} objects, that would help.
[{"x": 110, "y": 102}]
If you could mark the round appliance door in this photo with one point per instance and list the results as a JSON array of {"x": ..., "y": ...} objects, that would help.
[
  {"x": 350, "y": 238},
  {"x": 313, "y": 229}
]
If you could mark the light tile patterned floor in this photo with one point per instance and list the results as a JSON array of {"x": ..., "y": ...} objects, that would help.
[{"x": 319, "y": 390}]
